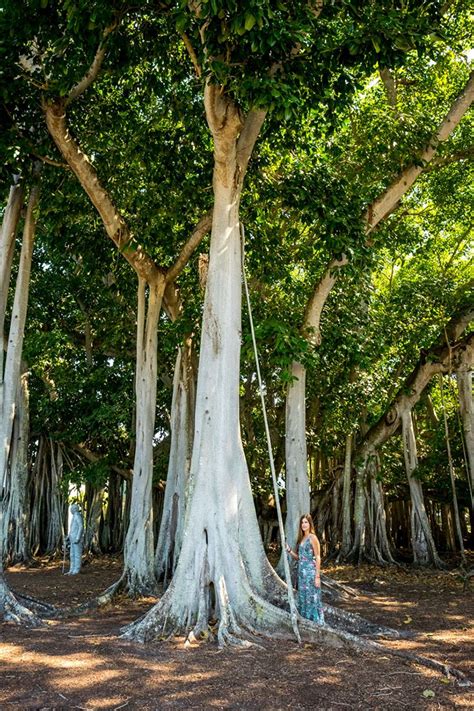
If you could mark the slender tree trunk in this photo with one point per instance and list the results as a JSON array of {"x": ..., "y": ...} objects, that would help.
[
  {"x": 296, "y": 480},
  {"x": 422, "y": 542},
  {"x": 346, "y": 500},
  {"x": 447, "y": 526},
  {"x": 138, "y": 550},
  {"x": 360, "y": 508},
  {"x": 17, "y": 506},
  {"x": 451, "y": 476},
  {"x": 182, "y": 429},
  {"x": 382, "y": 552},
  {"x": 466, "y": 405},
  {"x": 94, "y": 507},
  {"x": 8, "y": 231},
  {"x": 9, "y": 383}
]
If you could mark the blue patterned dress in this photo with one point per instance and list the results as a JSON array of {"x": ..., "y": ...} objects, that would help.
[{"x": 309, "y": 596}]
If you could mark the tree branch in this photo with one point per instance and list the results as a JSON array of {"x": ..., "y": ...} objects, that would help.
[
  {"x": 387, "y": 202},
  {"x": 192, "y": 54},
  {"x": 114, "y": 223},
  {"x": 91, "y": 75},
  {"x": 390, "y": 86},
  {"x": 248, "y": 137},
  {"x": 312, "y": 316},
  {"x": 202, "y": 228},
  {"x": 442, "y": 357},
  {"x": 441, "y": 161}
]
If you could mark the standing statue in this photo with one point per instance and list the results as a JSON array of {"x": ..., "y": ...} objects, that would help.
[{"x": 75, "y": 539}]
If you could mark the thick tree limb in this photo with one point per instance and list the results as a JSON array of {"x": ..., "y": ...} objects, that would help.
[
  {"x": 248, "y": 137},
  {"x": 446, "y": 352},
  {"x": 389, "y": 199},
  {"x": 202, "y": 228},
  {"x": 113, "y": 221},
  {"x": 192, "y": 54},
  {"x": 94, "y": 457},
  {"x": 312, "y": 317}
]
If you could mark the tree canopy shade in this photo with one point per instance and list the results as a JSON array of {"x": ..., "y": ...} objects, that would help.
[{"x": 158, "y": 124}]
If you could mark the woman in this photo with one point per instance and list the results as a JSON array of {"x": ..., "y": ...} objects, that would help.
[{"x": 309, "y": 566}]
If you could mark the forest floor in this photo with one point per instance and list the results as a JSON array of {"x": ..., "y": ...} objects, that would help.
[{"x": 82, "y": 664}]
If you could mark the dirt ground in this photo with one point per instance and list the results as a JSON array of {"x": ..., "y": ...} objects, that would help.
[{"x": 83, "y": 664}]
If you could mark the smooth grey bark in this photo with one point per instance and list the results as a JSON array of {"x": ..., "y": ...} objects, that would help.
[
  {"x": 422, "y": 542},
  {"x": 296, "y": 458},
  {"x": 10, "y": 378},
  {"x": 360, "y": 509},
  {"x": 457, "y": 520},
  {"x": 346, "y": 499},
  {"x": 16, "y": 491},
  {"x": 8, "y": 231},
  {"x": 138, "y": 549},
  {"x": 182, "y": 430},
  {"x": 466, "y": 406}
]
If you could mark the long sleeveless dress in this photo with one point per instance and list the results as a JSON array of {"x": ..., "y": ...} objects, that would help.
[{"x": 309, "y": 596}]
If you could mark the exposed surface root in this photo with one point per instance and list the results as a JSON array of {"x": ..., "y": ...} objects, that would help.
[
  {"x": 101, "y": 600},
  {"x": 15, "y": 611},
  {"x": 359, "y": 626},
  {"x": 336, "y": 589},
  {"x": 253, "y": 618},
  {"x": 41, "y": 608}
]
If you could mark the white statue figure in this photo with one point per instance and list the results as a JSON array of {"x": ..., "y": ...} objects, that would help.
[{"x": 76, "y": 532}]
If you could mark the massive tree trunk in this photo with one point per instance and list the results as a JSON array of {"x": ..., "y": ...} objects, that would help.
[
  {"x": 360, "y": 509},
  {"x": 221, "y": 547},
  {"x": 466, "y": 405},
  {"x": 222, "y": 570},
  {"x": 422, "y": 542},
  {"x": 381, "y": 551},
  {"x": 182, "y": 429}
]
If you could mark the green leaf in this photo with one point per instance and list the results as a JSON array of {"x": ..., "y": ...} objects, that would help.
[
  {"x": 429, "y": 694},
  {"x": 376, "y": 44},
  {"x": 250, "y": 21}
]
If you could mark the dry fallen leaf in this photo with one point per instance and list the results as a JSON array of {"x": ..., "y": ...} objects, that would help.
[
  {"x": 428, "y": 694},
  {"x": 407, "y": 620}
]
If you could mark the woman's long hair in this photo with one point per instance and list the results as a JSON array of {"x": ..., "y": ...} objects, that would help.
[{"x": 300, "y": 530}]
